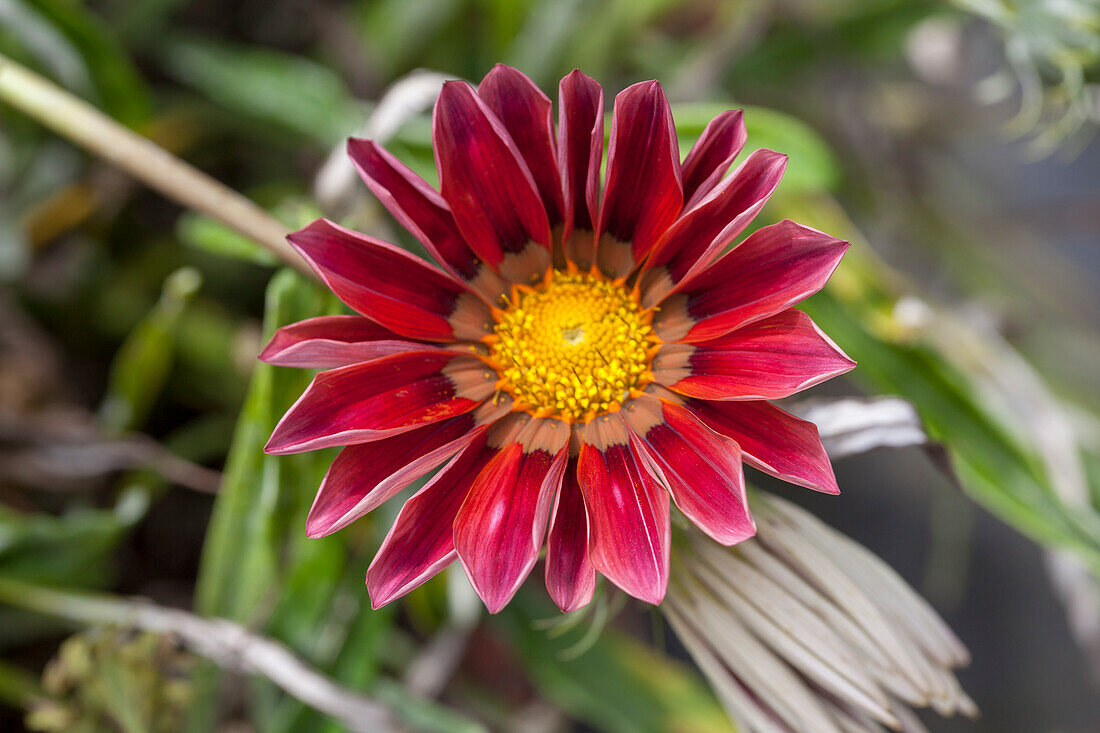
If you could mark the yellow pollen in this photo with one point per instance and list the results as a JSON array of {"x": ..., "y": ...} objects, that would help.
[{"x": 572, "y": 346}]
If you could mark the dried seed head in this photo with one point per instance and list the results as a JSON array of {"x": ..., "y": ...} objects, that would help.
[{"x": 801, "y": 629}]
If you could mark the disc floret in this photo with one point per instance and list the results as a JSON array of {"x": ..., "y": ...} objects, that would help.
[{"x": 573, "y": 346}]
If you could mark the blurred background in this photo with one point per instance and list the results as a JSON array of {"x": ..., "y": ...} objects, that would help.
[{"x": 953, "y": 143}]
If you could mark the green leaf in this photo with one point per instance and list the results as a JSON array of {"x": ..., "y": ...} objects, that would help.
[
  {"x": 202, "y": 232},
  {"x": 241, "y": 556},
  {"x": 289, "y": 92},
  {"x": 141, "y": 366},
  {"x": 116, "y": 84},
  {"x": 73, "y": 550},
  {"x": 619, "y": 685},
  {"x": 812, "y": 166}
]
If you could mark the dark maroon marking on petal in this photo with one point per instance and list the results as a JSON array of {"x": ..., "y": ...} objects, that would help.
[
  {"x": 712, "y": 155},
  {"x": 570, "y": 577},
  {"x": 628, "y": 511},
  {"x": 776, "y": 267},
  {"x": 701, "y": 468},
  {"x": 491, "y": 193},
  {"x": 384, "y": 397},
  {"x": 580, "y": 153},
  {"x": 499, "y": 530},
  {"x": 421, "y": 541},
  {"x": 702, "y": 233},
  {"x": 416, "y": 205},
  {"x": 524, "y": 110},
  {"x": 643, "y": 195},
  {"x": 389, "y": 285},
  {"x": 772, "y": 440},
  {"x": 365, "y": 476},
  {"x": 326, "y": 342},
  {"x": 766, "y": 360}
]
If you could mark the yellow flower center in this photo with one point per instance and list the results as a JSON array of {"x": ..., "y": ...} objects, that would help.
[{"x": 573, "y": 346}]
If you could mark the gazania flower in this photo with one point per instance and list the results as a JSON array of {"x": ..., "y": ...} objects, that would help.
[{"x": 573, "y": 360}]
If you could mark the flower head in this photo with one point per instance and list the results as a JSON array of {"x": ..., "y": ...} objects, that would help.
[{"x": 577, "y": 359}]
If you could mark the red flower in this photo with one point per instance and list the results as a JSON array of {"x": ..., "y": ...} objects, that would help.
[{"x": 575, "y": 359}]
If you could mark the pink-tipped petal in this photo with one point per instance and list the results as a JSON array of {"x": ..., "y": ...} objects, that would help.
[
  {"x": 488, "y": 186},
  {"x": 712, "y": 155},
  {"x": 421, "y": 541},
  {"x": 580, "y": 152},
  {"x": 701, "y": 468},
  {"x": 643, "y": 195},
  {"x": 772, "y": 440},
  {"x": 776, "y": 267},
  {"x": 628, "y": 511},
  {"x": 765, "y": 360},
  {"x": 384, "y": 397},
  {"x": 704, "y": 231},
  {"x": 391, "y": 286},
  {"x": 570, "y": 577},
  {"x": 499, "y": 530},
  {"x": 326, "y": 342},
  {"x": 365, "y": 476},
  {"x": 524, "y": 110}
]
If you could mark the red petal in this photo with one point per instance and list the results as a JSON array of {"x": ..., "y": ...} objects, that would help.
[
  {"x": 701, "y": 468},
  {"x": 643, "y": 195},
  {"x": 489, "y": 188},
  {"x": 415, "y": 204},
  {"x": 773, "y": 269},
  {"x": 524, "y": 111},
  {"x": 499, "y": 530},
  {"x": 570, "y": 577},
  {"x": 333, "y": 341},
  {"x": 772, "y": 440},
  {"x": 391, "y": 286},
  {"x": 364, "y": 476},
  {"x": 384, "y": 397},
  {"x": 421, "y": 541},
  {"x": 712, "y": 155},
  {"x": 766, "y": 360},
  {"x": 627, "y": 511},
  {"x": 580, "y": 152},
  {"x": 703, "y": 232}
]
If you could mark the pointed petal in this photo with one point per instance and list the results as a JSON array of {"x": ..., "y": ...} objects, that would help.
[
  {"x": 384, "y": 397},
  {"x": 712, "y": 155},
  {"x": 489, "y": 188},
  {"x": 776, "y": 267},
  {"x": 628, "y": 511},
  {"x": 643, "y": 195},
  {"x": 570, "y": 577},
  {"x": 365, "y": 476},
  {"x": 701, "y": 468},
  {"x": 765, "y": 360},
  {"x": 580, "y": 153},
  {"x": 705, "y": 231},
  {"x": 421, "y": 543},
  {"x": 524, "y": 110},
  {"x": 334, "y": 341},
  {"x": 391, "y": 286},
  {"x": 499, "y": 530},
  {"x": 772, "y": 440}
]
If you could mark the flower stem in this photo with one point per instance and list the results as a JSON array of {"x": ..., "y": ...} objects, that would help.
[{"x": 80, "y": 122}]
